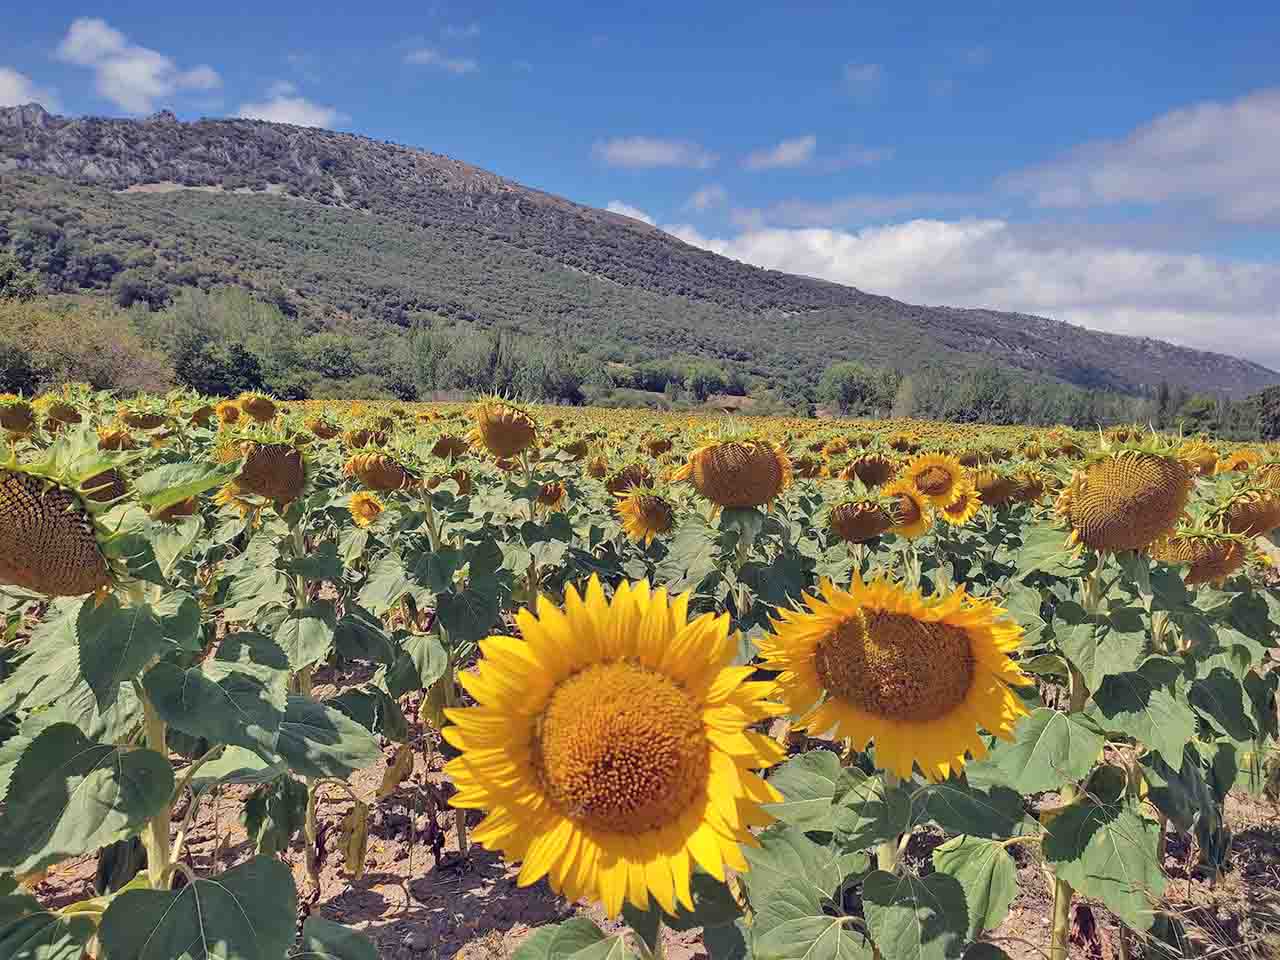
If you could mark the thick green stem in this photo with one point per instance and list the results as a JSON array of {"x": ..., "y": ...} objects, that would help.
[
  {"x": 888, "y": 853},
  {"x": 1059, "y": 947},
  {"x": 156, "y": 839},
  {"x": 310, "y": 832}
]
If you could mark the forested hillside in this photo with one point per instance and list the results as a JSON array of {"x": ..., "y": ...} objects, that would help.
[{"x": 336, "y": 227}]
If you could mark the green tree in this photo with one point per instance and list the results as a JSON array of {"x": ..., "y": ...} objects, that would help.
[{"x": 15, "y": 282}]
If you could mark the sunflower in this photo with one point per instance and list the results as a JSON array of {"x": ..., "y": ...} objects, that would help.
[
  {"x": 912, "y": 516},
  {"x": 644, "y": 514},
  {"x": 919, "y": 676},
  {"x": 965, "y": 506},
  {"x": 738, "y": 473},
  {"x": 631, "y": 476},
  {"x": 1212, "y": 556},
  {"x": 935, "y": 476},
  {"x": 258, "y": 406},
  {"x": 994, "y": 487},
  {"x": 505, "y": 429},
  {"x": 1200, "y": 455},
  {"x": 551, "y": 494},
  {"x": 449, "y": 447},
  {"x": 227, "y": 411},
  {"x": 365, "y": 508},
  {"x": 176, "y": 511},
  {"x": 1125, "y": 500},
  {"x": 1238, "y": 461},
  {"x": 1252, "y": 512},
  {"x": 873, "y": 469},
  {"x": 611, "y": 747},
  {"x": 17, "y": 416},
  {"x": 378, "y": 471},
  {"x": 857, "y": 521}
]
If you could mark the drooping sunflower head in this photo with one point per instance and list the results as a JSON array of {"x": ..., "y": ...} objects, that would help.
[
  {"x": 611, "y": 747},
  {"x": 378, "y": 471},
  {"x": 1267, "y": 474},
  {"x": 449, "y": 446},
  {"x": 935, "y": 476},
  {"x": 115, "y": 437},
  {"x": 459, "y": 475},
  {"x": 274, "y": 469},
  {"x": 551, "y": 495},
  {"x": 912, "y": 514},
  {"x": 322, "y": 428},
  {"x": 835, "y": 447},
  {"x": 598, "y": 467},
  {"x": 1212, "y": 555},
  {"x": 1239, "y": 461},
  {"x": 1125, "y": 499},
  {"x": 644, "y": 514},
  {"x": 51, "y": 541},
  {"x": 106, "y": 486},
  {"x": 1202, "y": 456},
  {"x": 918, "y": 676},
  {"x": 861, "y": 519},
  {"x": 656, "y": 446},
  {"x": 964, "y": 507},
  {"x": 995, "y": 487},
  {"x": 1249, "y": 510},
  {"x": 142, "y": 415},
  {"x": 175, "y": 511},
  {"x": 364, "y": 507},
  {"x": 738, "y": 473},
  {"x": 1030, "y": 484},
  {"x": 506, "y": 429},
  {"x": 56, "y": 411},
  {"x": 904, "y": 442},
  {"x": 258, "y": 406},
  {"x": 17, "y": 416},
  {"x": 575, "y": 448},
  {"x": 872, "y": 469},
  {"x": 631, "y": 476},
  {"x": 227, "y": 412}
]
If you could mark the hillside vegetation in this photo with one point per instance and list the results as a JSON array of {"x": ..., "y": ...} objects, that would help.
[{"x": 336, "y": 227}]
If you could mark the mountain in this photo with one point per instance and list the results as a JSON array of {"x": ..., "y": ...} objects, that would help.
[{"x": 349, "y": 225}]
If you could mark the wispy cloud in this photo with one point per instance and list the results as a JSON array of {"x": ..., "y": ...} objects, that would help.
[
  {"x": 644, "y": 152},
  {"x": 627, "y": 210},
  {"x": 863, "y": 81},
  {"x": 16, "y": 89},
  {"x": 707, "y": 198},
  {"x": 466, "y": 31},
  {"x": 298, "y": 111},
  {"x": 431, "y": 57},
  {"x": 854, "y": 156},
  {"x": 1219, "y": 156},
  {"x": 132, "y": 77},
  {"x": 789, "y": 153}
]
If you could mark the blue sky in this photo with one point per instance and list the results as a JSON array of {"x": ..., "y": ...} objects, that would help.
[{"x": 1115, "y": 166}]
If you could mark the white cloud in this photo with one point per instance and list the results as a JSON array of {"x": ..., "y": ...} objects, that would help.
[
  {"x": 863, "y": 80},
  {"x": 282, "y": 88},
  {"x": 642, "y": 152},
  {"x": 298, "y": 111},
  {"x": 462, "y": 32},
  {"x": 635, "y": 213},
  {"x": 431, "y": 57},
  {"x": 1221, "y": 155},
  {"x": 16, "y": 90},
  {"x": 130, "y": 76},
  {"x": 1198, "y": 301},
  {"x": 789, "y": 153},
  {"x": 707, "y": 198}
]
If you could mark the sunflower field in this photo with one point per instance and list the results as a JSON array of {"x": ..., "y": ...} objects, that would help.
[{"x": 746, "y": 687}]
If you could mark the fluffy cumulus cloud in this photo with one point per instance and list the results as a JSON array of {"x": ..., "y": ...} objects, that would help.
[
  {"x": 789, "y": 153},
  {"x": 132, "y": 77},
  {"x": 16, "y": 89},
  {"x": 282, "y": 107},
  {"x": 1220, "y": 155},
  {"x": 1194, "y": 300},
  {"x": 635, "y": 213},
  {"x": 431, "y": 57},
  {"x": 644, "y": 152}
]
